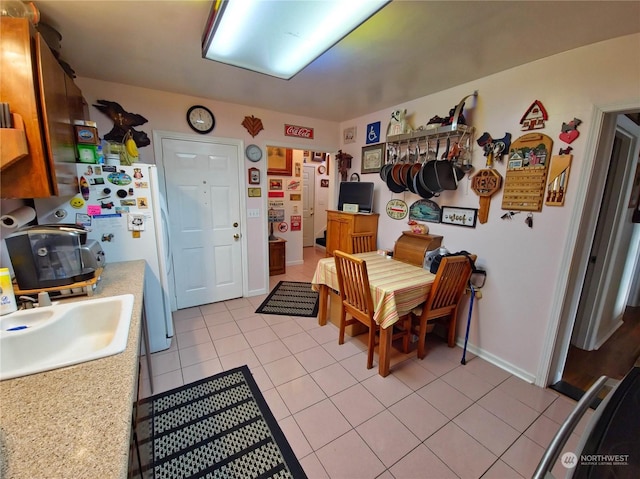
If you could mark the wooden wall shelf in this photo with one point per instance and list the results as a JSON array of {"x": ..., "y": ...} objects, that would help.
[{"x": 14, "y": 143}]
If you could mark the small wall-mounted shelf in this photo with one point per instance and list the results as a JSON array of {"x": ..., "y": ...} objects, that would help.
[
  {"x": 447, "y": 131},
  {"x": 432, "y": 133},
  {"x": 14, "y": 143}
]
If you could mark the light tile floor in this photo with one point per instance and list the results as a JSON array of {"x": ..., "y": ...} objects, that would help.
[{"x": 433, "y": 418}]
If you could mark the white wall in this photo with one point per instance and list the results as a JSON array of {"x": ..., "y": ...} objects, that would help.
[
  {"x": 167, "y": 111},
  {"x": 523, "y": 264}
]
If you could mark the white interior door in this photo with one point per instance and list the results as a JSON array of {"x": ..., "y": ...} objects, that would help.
[
  {"x": 308, "y": 200},
  {"x": 204, "y": 208}
]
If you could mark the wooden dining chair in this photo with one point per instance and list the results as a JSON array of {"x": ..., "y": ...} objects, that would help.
[
  {"x": 355, "y": 293},
  {"x": 442, "y": 303},
  {"x": 362, "y": 242}
]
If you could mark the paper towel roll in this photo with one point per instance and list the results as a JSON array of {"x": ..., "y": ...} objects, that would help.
[{"x": 18, "y": 217}]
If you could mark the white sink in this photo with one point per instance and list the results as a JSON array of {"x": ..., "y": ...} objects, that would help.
[{"x": 63, "y": 335}]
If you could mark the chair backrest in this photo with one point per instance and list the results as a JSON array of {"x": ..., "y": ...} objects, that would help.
[
  {"x": 362, "y": 242},
  {"x": 353, "y": 282},
  {"x": 449, "y": 285}
]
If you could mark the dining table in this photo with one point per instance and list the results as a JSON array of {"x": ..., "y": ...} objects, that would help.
[{"x": 396, "y": 289}]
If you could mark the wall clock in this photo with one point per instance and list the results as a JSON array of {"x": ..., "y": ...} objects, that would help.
[
  {"x": 321, "y": 169},
  {"x": 200, "y": 119},
  {"x": 253, "y": 152}
]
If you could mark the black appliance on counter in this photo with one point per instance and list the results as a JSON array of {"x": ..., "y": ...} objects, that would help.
[{"x": 48, "y": 256}]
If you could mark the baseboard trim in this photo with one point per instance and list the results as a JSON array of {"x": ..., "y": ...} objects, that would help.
[{"x": 499, "y": 362}]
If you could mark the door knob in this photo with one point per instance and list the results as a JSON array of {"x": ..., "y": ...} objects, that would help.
[{"x": 236, "y": 236}]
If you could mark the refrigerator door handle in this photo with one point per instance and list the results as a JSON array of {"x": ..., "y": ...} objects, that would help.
[{"x": 165, "y": 220}]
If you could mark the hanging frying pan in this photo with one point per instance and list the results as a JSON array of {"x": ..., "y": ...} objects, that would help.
[
  {"x": 421, "y": 190},
  {"x": 416, "y": 165},
  {"x": 411, "y": 174},
  {"x": 392, "y": 185},
  {"x": 395, "y": 172},
  {"x": 384, "y": 171},
  {"x": 428, "y": 177},
  {"x": 391, "y": 157},
  {"x": 448, "y": 174},
  {"x": 403, "y": 174},
  {"x": 444, "y": 173}
]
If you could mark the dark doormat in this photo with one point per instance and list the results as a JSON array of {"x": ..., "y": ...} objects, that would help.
[
  {"x": 290, "y": 298},
  {"x": 218, "y": 427}
]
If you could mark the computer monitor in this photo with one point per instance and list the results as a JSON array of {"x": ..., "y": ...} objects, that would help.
[{"x": 357, "y": 193}]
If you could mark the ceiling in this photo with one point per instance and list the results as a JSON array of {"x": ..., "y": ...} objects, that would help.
[{"x": 408, "y": 50}]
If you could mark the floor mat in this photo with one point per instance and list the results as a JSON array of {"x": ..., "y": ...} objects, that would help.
[
  {"x": 218, "y": 427},
  {"x": 291, "y": 298}
]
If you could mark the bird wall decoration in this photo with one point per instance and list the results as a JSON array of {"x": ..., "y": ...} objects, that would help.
[{"x": 123, "y": 123}]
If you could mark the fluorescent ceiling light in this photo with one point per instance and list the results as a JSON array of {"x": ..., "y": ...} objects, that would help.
[{"x": 280, "y": 37}]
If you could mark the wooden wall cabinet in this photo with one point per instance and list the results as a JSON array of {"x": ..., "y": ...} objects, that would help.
[
  {"x": 341, "y": 225},
  {"x": 35, "y": 86}
]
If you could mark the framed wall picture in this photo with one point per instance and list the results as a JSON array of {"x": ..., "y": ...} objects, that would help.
[
  {"x": 459, "y": 216},
  {"x": 275, "y": 184},
  {"x": 425, "y": 210},
  {"x": 372, "y": 158},
  {"x": 349, "y": 135},
  {"x": 254, "y": 176},
  {"x": 279, "y": 161},
  {"x": 317, "y": 156}
]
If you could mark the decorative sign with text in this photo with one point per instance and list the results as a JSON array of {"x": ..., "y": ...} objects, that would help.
[
  {"x": 298, "y": 131},
  {"x": 296, "y": 222}
]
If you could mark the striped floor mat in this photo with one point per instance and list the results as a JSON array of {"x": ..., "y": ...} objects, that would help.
[
  {"x": 218, "y": 427},
  {"x": 291, "y": 298}
]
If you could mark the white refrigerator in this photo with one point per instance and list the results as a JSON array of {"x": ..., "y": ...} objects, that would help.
[{"x": 124, "y": 210}]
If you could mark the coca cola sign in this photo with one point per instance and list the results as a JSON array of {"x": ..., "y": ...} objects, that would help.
[{"x": 298, "y": 131}]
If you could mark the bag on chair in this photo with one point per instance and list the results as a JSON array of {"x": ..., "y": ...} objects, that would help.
[{"x": 478, "y": 276}]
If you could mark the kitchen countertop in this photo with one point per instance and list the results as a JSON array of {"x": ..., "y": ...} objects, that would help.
[{"x": 75, "y": 422}]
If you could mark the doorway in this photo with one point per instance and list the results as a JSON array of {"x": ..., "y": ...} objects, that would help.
[
  {"x": 600, "y": 340},
  {"x": 300, "y": 191}
]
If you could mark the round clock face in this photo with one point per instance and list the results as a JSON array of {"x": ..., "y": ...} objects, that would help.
[
  {"x": 200, "y": 119},
  {"x": 253, "y": 152}
]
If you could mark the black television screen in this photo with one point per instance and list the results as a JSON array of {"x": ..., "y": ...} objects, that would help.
[{"x": 357, "y": 193}]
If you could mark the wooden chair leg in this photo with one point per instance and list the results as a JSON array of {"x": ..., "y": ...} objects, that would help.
[
  {"x": 343, "y": 320},
  {"x": 452, "y": 328},
  {"x": 407, "y": 334},
  {"x": 422, "y": 336},
  {"x": 371, "y": 346}
]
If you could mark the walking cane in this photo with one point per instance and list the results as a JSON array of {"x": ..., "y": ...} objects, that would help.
[{"x": 466, "y": 336}]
